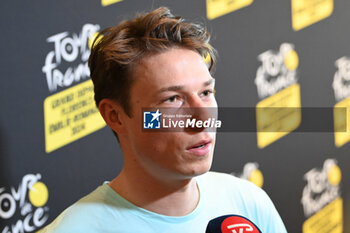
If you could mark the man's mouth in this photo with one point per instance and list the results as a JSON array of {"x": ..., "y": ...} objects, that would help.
[
  {"x": 200, "y": 144},
  {"x": 201, "y": 148}
]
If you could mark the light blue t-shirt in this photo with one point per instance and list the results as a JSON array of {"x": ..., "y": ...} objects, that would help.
[{"x": 104, "y": 210}]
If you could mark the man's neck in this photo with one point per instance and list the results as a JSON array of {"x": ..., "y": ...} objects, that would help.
[{"x": 166, "y": 197}]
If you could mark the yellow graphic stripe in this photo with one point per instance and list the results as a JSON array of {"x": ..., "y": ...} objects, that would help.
[{"x": 109, "y": 2}]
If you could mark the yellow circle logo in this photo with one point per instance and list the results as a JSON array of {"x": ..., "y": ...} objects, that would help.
[
  {"x": 291, "y": 60},
  {"x": 334, "y": 175},
  {"x": 93, "y": 37},
  {"x": 38, "y": 194},
  {"x": 207, "y": 58},
  {"x": 257, "y": 178}
]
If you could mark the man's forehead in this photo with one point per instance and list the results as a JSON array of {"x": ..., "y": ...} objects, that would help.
[
  {"x": 211, "y": 81},
  {"x": 170, "y": 70},
  {"x": 170, "y": 57},
  {"x": 172, "y": 60}
]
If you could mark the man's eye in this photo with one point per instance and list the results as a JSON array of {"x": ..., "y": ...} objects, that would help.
[
  {"x": 207, "y": 92},
  {"x": 171, "y": 99}
]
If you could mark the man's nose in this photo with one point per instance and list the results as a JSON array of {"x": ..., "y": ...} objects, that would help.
[
  {"x": 203, "y": 108},
  {"x": 200, "y": 111}
]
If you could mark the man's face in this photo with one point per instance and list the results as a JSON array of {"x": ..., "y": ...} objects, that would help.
[{"x": 177, "y": 79}]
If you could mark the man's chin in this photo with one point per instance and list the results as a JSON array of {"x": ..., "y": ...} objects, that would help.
[
  {"x": 197, "y": 172},
  {"x": 201, "y": 173}
]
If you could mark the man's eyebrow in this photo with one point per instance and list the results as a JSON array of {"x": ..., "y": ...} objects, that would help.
[
  {"x": 176, "y": 88},
  {"x": 171, "y": 88},
  {"x": 210, "y": 81}
]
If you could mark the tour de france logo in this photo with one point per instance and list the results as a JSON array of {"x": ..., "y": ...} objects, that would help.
[
  {"x": 67, "y": 63},
  {"x": 323, "y": 186},
  {"x": 23, "y": 209},
  {"x": 252, "y": 173},
  {"x": 341, "y": 80},
  {"x": 277, "y": 71}
]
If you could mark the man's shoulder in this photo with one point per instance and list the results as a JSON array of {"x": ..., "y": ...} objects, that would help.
[
  {"x": 232, "y": 186},
  {"x": 242, "y": 197},
  {"x": 227, "y": 180},
  {"x": 83, "y": 214}
]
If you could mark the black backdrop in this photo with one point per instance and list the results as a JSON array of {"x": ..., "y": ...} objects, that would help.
[{"x": 65, "y": 173}]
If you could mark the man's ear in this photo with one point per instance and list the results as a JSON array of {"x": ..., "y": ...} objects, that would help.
[{"x": 113, "y": 114}]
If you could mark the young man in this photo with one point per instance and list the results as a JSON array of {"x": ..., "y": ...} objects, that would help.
[{"x": 156, "y": 61}]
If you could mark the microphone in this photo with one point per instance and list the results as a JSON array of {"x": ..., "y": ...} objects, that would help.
[{"x": 231, "y": 224}]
